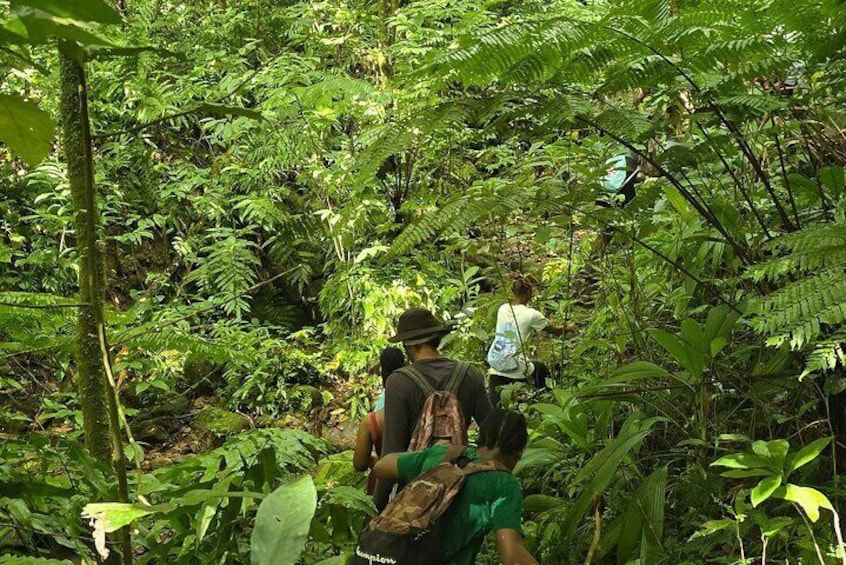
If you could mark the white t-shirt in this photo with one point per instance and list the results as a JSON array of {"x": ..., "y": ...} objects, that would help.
[{"x": 528, "y": 321}]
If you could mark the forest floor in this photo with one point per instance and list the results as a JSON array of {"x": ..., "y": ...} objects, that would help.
[{"x": 204, "y": 425}]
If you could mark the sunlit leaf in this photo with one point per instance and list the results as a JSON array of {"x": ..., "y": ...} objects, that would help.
[
  {"x": 741, "y": 461},
  {"x": 25, "y": 128},
  {"x": 746, "y": 473},
  {"x": 810, "y": 499},
  {"x": 43, "y": 27},
  {"x": 82, "y": 10},
  {"x": 764, "y": 489},
  {"x": 808, "y": 453},
  {"x": 282, "y": 523}
]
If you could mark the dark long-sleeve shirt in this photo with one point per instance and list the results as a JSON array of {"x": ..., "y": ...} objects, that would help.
[{"x": 404, "y": 401}]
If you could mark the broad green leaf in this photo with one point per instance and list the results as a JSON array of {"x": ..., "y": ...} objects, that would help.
[
  {"x": 760, "y": 448},
  {"x": 282, "y": 523},
  {"x": 808, "y": 453},
  {"x": 602, "y": 467},
  {"x": 82, "y": 10},
  {"x": 643, "y": 518},
  {"x": 810, "y": 499},
  {"x": 712, "y": 526},
  {"x": 746, "y": 473},
  {"x": 638, "y": 371},
  {"x": 778, "y": 449},
  {"x": 551, "y": 410},
  {"x": 653, "y": 500},
  {"x": 112, "y": 516},
  {"x": 541, "y": 503},
  {"x": 537, "y": 457},
  {"x": 717, "y": 345},
  {"x": 804, "y": 186},
  {"x": 682, "y": 352},
  {"x": 833, "y": 178},
  {"x": 769, "y": 528},
  {"x": 204, "y": 518},
  {"x": 43, "y": 27},
  {"x": 718, "y": 327},
  {"x": 764, "y": 489},
  {"x": 741, "y": 461},
  {"x": 733, "y": 437},
  {"x": 572, "y": 422},
  {"x": 25, "y": 128},
  {"x": 694, "y": 336},
  {"x": 774, "y": 450}
]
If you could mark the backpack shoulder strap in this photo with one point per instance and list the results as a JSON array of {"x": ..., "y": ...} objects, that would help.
[
  {"x": 417, "y": 378},
  {"x": 457, "y": 377}
]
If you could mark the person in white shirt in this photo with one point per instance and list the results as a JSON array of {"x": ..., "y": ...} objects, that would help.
[{"x": 508, "y": 355}]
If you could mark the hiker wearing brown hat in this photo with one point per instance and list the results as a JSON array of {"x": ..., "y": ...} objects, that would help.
[{"x": 407, "y": 389}]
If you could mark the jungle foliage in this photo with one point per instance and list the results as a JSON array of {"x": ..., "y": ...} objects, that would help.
[{"x": 277, "y": 181}]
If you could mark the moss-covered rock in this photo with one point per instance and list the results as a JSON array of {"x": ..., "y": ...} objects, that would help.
[
  {"x": 220, "y": 422},
  {"x": 200, "y": 375},
  {"x": 170, "y": 405}
]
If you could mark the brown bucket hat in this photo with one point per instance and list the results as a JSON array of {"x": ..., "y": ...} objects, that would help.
[{"x": 417, "y": 325}]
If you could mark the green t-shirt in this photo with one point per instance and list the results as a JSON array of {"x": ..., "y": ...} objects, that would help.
[{"x": 488, "y": 501}]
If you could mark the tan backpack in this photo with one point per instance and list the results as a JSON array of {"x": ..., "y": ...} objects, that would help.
[
  {"x": 408, "y": 531},
  {"x": 442, "y": 418}
]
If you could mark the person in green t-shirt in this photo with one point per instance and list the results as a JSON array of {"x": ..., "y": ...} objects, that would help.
[{"x": 488, "y": 501}]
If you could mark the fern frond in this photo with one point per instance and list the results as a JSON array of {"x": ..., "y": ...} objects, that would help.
[
  {"x": 27, "y": 329},
  {"x": 798, "y": 312},
  {"x": 811, "y": 249},
  {"x": 228, "y": 268},
  {"x": 483, "y": 202},
  {"x": 827, "y": 354},
  {"x": 393, "y": 138},
  {"x": 629, "y": 125},
  {"x": 177, "y": 338}
]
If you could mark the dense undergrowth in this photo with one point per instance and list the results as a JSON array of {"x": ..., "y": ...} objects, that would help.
[{"x": 279, "y": 181}]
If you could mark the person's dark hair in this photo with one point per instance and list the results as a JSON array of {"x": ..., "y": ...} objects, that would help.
[
  {"x": 434, "y": 341},
  {"x": 505, "y": 429},
  {"x": 522, "y": 288},
  {"x": 390, "y": 360}
]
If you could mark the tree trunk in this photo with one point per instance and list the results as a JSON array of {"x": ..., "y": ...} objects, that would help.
[
  {"x": 76, "y": 141},
  {"x": 97, "y": 397}
]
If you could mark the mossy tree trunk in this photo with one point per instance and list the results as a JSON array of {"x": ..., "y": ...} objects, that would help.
[
  {"x": 97, "y": 396},
  {"x": 76, "y": 141}
]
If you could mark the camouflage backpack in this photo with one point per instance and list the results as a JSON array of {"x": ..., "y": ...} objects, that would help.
[
  {"x": 442, "y": 418},
  {"x": 408, "y": 531}
]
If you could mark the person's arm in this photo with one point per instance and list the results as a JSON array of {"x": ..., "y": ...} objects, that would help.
[
  {"x": 559, "y": 330},
  {"x": 540, "y": 323},
  {"x": 509, "y": 545},
  {"x": 405, "y": 466},
  {"x": 362, "y": 456},
  {"x": 386, "y": 468}
]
